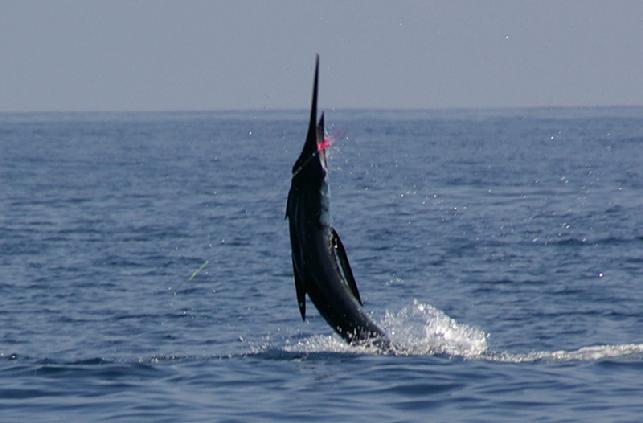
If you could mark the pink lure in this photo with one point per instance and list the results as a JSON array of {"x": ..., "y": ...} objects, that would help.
[{"x": 327, "y": 142}]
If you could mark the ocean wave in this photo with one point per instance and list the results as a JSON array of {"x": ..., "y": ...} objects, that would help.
[{"x": 590, "y": 353}]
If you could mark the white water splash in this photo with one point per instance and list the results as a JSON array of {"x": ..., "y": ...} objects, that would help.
[
  {"x": 323, "y": 343},
  {"x": 421, "y": 329},
  {"x": 418, "y": 329}
]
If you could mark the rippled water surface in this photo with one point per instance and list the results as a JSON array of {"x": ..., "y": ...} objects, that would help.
[{"x": 145, "y": 267}]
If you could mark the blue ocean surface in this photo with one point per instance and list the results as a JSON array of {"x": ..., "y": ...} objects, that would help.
[{"x": 145, "y": 269}]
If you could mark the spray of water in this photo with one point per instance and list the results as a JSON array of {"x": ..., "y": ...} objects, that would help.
[
  {"x": 417, "y": 329},
  {"x": 421, "y": 329}
]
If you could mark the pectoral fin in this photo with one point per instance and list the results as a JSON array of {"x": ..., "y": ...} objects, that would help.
[{"x": 345, "y": 266}]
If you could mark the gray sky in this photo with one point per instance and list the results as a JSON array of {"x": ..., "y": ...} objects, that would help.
[{"x": 229, "y": 55}]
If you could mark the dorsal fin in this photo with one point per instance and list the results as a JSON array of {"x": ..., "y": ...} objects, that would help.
[{"x": 344, "y": 264}]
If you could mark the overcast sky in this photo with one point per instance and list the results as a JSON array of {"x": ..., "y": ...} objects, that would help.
[{"x": 230, "y": 55}]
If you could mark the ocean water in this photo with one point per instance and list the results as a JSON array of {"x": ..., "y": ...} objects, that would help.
[{"x": 145, "y": 267}]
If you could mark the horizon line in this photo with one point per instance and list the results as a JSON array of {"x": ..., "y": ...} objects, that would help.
[{"x": 340, "y": 109}]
